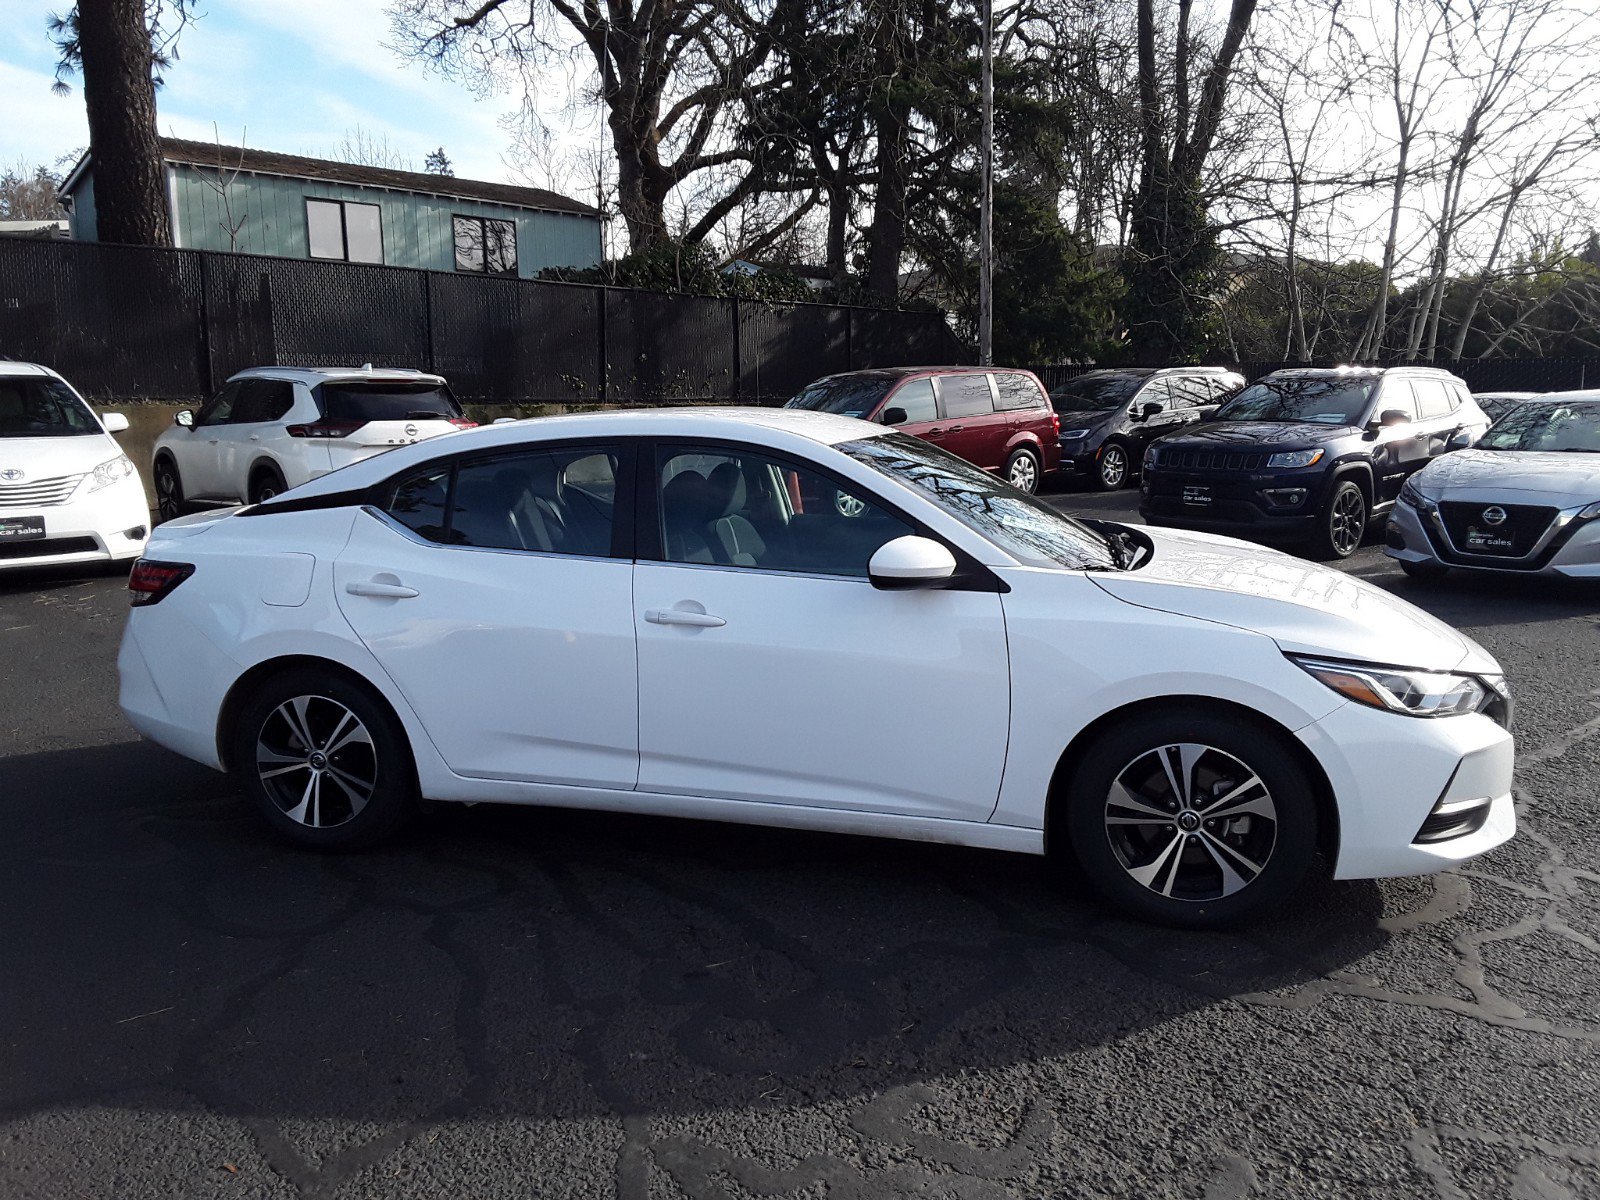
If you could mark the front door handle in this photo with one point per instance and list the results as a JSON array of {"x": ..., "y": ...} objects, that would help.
[
  {"x": 678, "y": 616},
  {"x": 376, "y": 587}
]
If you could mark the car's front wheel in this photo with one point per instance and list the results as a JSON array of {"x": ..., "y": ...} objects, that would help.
[
  {"x": 1190, "y": 819},
  {"x": 1113, "y": 467},
  {"x": 1343, "y": 521},
  {"x": 1022, "y": 470},
  {"x": 323, "y": 760},
  {"x": 169, "y": 491}
]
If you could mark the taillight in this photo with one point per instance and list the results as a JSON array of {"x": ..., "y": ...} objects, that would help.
[
  {"x": 1055, "y": 423},
  {"x": 324, "y": 429},
  {"x": 150, "y": 581},
  {"x": 463, "y": 423}
]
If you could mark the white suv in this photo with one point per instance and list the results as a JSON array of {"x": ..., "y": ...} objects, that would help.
[
  {"x": 273, "y": 428},
  {"x": 68, "y": 494}
]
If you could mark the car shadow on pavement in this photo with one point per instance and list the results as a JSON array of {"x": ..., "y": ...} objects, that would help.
[{"x": 164, "y": 950}]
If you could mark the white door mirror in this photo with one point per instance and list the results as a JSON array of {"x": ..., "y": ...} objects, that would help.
[
  {"x": 114, "y": 422},
  {"x": 911, "y": 562}
]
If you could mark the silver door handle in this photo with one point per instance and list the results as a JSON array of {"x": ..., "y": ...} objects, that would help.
[
  {"x": 255, "y": 437},
  {"x": 388, "y": 591},
  {"x": 678, "y": 616}
]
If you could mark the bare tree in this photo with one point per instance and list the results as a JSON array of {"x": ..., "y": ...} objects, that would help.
[
  {"x": 220, "y": 179},
  {"x": 363, "y": 148},
  {"x": 29, "y": 194}
]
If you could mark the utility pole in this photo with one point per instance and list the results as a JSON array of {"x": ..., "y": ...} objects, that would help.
[{"x": 986, "y": 200}]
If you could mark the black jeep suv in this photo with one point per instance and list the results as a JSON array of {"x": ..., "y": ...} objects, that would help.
[{"x": 1308, "y": 455}]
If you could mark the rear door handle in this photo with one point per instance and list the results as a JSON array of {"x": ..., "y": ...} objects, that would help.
[
  {"x": 678, "y": 616},
  {"x": 387, "y": 591}
]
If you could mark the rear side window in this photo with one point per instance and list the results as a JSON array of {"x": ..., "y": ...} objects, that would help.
[
  {"x": 1435, "y": 398},
  {"x": 263, "y": 400},
  {"x": 420, "y": 503},
  {"x": 966, "y": 395},
  {"x": 1016, "y": 390},
  {"x": 915, "y": 399},
  {"x": 387, "y": 401}
]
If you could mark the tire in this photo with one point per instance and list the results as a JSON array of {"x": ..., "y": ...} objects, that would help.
[
  {"x": 1113, "y": 467},
  {"x": 169, "y": 491},
  {"x": 1022, "y": 470},
  {"x": 1342, "y": 523},
  {"x": 1130, "y": 830},
  {"x": 265, "y": 483},
  {"x": 1424, "y": 572},
  {"x": 353, "y": 785}
]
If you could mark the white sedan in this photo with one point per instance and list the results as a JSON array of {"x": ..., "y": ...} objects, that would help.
[{"x": 795, "y": 619}]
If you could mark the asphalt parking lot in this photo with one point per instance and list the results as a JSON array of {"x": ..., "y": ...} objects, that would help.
[{"x": 530, "y": 1003}]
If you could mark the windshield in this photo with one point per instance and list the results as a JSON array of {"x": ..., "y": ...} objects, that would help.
[
  {"x": 1028, "y": 529},
  {"x": 1315, "y": 398},
  {"x": 388, "y": 400},
  {"x": 38, "y": 406},
  {"x": 1572, "y": 427},
  {"x": 847, "y": 395},
  {"x": 1090, "y": 392}
]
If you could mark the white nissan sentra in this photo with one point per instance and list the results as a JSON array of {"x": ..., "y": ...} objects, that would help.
[
  {"x": 789, "y": 618},
  {"x": 68, "y": 494}
]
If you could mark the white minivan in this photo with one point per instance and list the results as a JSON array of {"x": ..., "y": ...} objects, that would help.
[{"x": 68, "y": 494}]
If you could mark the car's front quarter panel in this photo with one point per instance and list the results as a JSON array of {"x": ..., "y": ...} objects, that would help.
[
  {"x": 262, "y": 590},
  {"x": 1078, "y": 653}
]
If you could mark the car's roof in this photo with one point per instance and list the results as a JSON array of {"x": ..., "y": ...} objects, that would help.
[
  {"x": 903, "y": 372},
  {"x": 311, "y": 375},
  {"x": 1588, "y": 394},
  {"x": 778, "y": 425},
  {"x": 1346, "y": 371},
  {"x": 1146, "y": 372},
  {"x": 15, "y": 369},
  {"x": 1507, "y": 395}
]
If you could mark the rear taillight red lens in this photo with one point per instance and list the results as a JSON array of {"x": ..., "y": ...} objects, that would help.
[
  {"x": 1055, "y": 423},
  {"x": 324, "y": 429},
  {"x": 150, "y": 582}
]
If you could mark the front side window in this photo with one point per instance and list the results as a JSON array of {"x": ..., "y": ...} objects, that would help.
[
  {"x": 721, "y": 507},
  {"x": 486, "y": 245},
  {"x": 1030, "y": 531},
  {"x": 1541, "y": 425},
  {"x": 39, "y": 406},
  {"x": 219, "y": 409},
  {"x": 1157, "y": 391},
  {"x": 915, "y": 399},
  {"x": 1190, "y": 393},
  {"x": 345, "y": 230},
  {"x": 1320, "y": 399},
  {"x": 558, "y": 501},
  {"x": 966, "y": 395},
  {"x": 1398, "y": 396}
]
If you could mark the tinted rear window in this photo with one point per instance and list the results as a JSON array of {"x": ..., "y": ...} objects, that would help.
[{"x": 387, "y": 401}]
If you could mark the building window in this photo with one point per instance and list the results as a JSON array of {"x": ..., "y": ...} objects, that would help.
[
  {"x": 339, "y": 229},
  {"x": 486, "y": 245}
]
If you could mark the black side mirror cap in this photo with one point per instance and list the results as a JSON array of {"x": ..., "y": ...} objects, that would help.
[{"x": 892, "y": 416}]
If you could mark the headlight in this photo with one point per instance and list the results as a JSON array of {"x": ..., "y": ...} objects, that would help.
[
  {"x": 1411, "y": 495},
  {"x": 1067, "y": 434},
  {"x": 1295, "y": 458},
  {"x": 108, "y": 473},
  {"x": 1400, "y": 689}
]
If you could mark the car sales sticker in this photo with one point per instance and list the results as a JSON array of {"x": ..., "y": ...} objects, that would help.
[{"x": 1197, "y": 495}]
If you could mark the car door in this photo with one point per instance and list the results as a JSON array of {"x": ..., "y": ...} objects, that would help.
[
  {"x": 1402, "y": 448},
  {"x": 918, "y": 407},
  {"x": 1144, "y": 430},
  {"x": 1192, "y": 400},
  {"x": 969, "y": 426},
  {"x": 772, "y": 670},
  {"x": 262, "y": 403},
  {"x": 1436, "y": 407},
  {"x": 198, "y": 452},
  {"x": 497, "y": 593}
]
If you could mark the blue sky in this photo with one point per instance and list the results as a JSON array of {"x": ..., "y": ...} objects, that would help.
[{"x": 288, "y": 75}]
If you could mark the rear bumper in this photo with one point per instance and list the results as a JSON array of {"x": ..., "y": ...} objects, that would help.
[{"x": 111, "y": 525}]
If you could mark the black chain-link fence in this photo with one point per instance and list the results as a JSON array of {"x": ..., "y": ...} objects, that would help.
[
  {"x": 127, "y": 322},
  {"x": 1479, "y": 374}
]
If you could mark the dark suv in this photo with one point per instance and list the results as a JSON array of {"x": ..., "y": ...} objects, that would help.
[
  {"x": 998, "y": 418},
  {"x": 1109, "y": 417},
  {"x": 1308, "y": 455}
]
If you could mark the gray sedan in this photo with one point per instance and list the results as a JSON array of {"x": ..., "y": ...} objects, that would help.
[{"x": 1525, "y": 499}]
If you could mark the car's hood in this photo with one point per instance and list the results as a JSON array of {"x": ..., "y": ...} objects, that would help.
[
  {"x": 1552, "y": 472},
  {"x": 1304, "y": 607},
  {"x": 51, "y": 457},
  {"x": 1089, "y": 418},
  {"x": 1260, "y": 435}
]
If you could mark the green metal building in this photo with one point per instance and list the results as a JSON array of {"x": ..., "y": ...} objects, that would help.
[{"x": 260, "y": 202}]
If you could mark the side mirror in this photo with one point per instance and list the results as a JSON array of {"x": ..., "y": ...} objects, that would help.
[
  {"x": 1461, "y": 439},
  {"x": 114, "y": 422},
  {"x": 892, "y": 416},
  {"x": 1152, "y": 409},
  {"x": 184, "y": 419},
  {"x": 911, "y": 562},
  {"x": 1387, "y": 418}
]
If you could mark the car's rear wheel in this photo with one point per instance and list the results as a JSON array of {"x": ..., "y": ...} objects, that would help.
[
  {"x": 1190, "y": 819},
  {"x": 1343, "y": 521},
  {"x": 1424, "y": 572},
  {"x": 265, "y": 483},
  {"x": 323, "y": 760},
  {"x": 1022, "y": 470},
  {"x": 1112, "y": 468},
  {"x": 169, "y": 491}
]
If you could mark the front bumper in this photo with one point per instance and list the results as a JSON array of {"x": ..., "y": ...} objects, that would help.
[
  {"x": 1398, "y": 780},
  {"x": 1268, "y": 505},
  {"x": 110, "y": 525},
  {"x": 1571, "y": 548}
]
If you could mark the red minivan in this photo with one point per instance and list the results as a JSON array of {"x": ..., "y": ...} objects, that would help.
[{"x": 996, "y": 417}]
